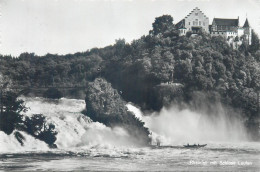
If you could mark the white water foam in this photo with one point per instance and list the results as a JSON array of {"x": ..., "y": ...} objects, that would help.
[
  {"x": 9, "y": 144},
  {"x": 173, "y": 126},
  {"x": 75, "y": 131}
]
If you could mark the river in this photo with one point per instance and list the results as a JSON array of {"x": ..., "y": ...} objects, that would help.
[{"x": 213, "y": 157}]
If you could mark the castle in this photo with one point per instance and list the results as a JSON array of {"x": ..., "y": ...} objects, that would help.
[{"x": 230, "y": 29}]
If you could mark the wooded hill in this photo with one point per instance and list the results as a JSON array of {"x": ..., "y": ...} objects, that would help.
[{"x": 144, "y": 71}]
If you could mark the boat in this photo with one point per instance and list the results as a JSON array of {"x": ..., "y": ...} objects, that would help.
[{"x": 194, "y": 146}]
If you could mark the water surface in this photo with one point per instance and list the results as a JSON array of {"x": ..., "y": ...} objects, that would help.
[{"x": 213, "y": 157}]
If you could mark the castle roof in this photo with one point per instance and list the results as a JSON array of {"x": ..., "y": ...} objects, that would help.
[
  {"x": 198, "y": 10},
  {"x": 246, "y": 24},
  {"x": 181, "y": 24},
  {"x": 226, "y": 22}
]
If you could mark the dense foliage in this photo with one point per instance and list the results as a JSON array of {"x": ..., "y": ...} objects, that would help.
[
  {"x": 10, "y": 107},
  {"x": 10, "y": 118},
  {"x": 52, "y": 93},
  {"x": 141, "y": 70},
  {"x": 38, "y": 127}
]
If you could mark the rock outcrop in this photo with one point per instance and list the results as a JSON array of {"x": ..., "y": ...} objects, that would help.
[{"x": 104, "y": 104}]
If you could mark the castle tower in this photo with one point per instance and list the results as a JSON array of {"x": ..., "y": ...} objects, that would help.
[{"x": 247, "y": 31}]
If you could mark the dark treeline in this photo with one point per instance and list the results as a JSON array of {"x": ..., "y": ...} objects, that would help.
[{"x": 198, "y": 63}]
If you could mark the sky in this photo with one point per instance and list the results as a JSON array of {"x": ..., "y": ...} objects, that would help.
[{"x": 69, "y": 26}]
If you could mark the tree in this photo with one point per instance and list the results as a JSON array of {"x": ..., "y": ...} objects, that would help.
[
  {"x": 257, "y": 55},
  {"x": 11, "y": 107},
  {"x": 188, "y": 34},
  {"x": 38, "y": 127},
  {"x": 255, "y": 43},
  {"x": 243, "y": 48},
  {"x": 162, "y": 23},
  {"x": 162, "y": 66}
]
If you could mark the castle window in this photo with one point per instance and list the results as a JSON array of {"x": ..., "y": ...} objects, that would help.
[
  {"x": 189, "y": 23},
  {"x": 196, "y": 14},
  {"x": 200, "y": 23},
  {"x": 196, "y": 22},
  {"x": 203, "y": 23}
]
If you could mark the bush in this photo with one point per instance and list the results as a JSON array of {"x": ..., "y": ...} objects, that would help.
[
  {"x": 9, "y": 121},
  {"x": 188, "y": 34},
  {"x": 38, "y": 127}
]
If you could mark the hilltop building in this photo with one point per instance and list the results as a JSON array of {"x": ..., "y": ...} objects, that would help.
[
  {"x": 227, "y": 28},
  {"x": 193, "y": 22}
]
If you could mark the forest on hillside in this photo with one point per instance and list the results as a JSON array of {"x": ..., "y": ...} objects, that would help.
[{"x": 153, "y": 71}]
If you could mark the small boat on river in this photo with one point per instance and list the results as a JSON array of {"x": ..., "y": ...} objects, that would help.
[{"x": 194, "y": 146}]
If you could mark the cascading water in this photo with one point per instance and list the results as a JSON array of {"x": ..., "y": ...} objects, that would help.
[
  {"x": 172, "y": 126},
  {"x": 74, "y": 130},
  {"x": 87, "y": 145},
  {"x": 9, "y": 144}
]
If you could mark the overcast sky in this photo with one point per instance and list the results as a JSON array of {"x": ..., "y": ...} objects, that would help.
[{"x": 69, "y": 26}]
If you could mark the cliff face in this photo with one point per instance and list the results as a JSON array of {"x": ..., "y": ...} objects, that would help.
[{"x": 104, "y": 104}]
